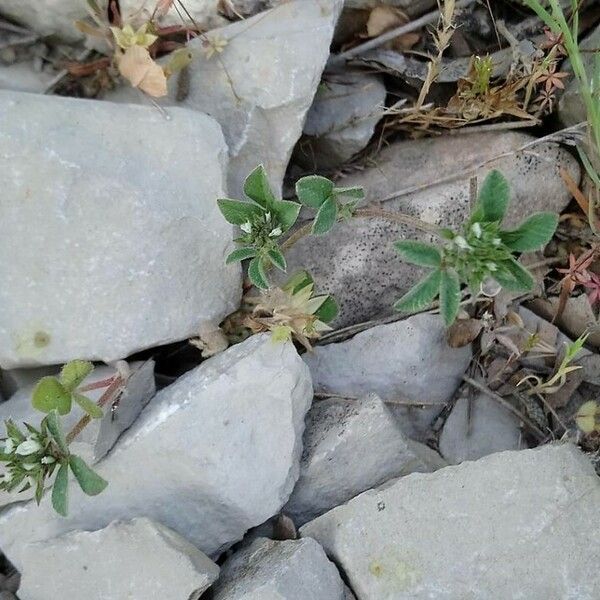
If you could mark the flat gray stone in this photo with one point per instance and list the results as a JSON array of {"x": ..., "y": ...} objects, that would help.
[
  {"x": 129, "y": 258},
  {"x": 261, "y": 86},
  {"x": 135, "y": 560},
  {"x": 516, "y": 524},
  {"x": 270, "y": 570},
  {"x": 342, "y": 118},
  {"x": 486, "y": 429},
  {"x": 22, "y": 77},
  {"x": 351, "y": 446},
  {"x": 404, "y": 360},
  {"x": 212, "y": 455},
  {"x": 356, "y": 261}
]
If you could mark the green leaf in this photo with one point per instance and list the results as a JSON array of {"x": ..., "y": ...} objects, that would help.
[
  {"x": 257, "y": 188},
  {"x": 449, "y": 296},
  {"x": 237, "y": 212},
  {"x": 313, "y": 190},
  {"x": 419, "y": 253},
  {"x": 49, "y": 394},
  {"x": 91, "y": 408},
  {"x": 13, "y": 431},
  {"x": 286, "y": 212},
  {"x": 56, "y": 431},
  {"x": 60, "y": 490},
  {"x": 74, "y": 372},
  {"x": 240, "y": 254},
  {"x": 493, "y": 199},
  {"x": 89, "y": 481},
  {"x": 326, "y": 217},
  {"x": 278, "y": 259},
  {"x": 328, "y": 310},
  {"x": 533, "y": 233},
  {"x": 513, "y": 276},
  {"x": 351, "y": 192},
  {"x": 297, "y": 282},
  {"x": 421, "y": 295},
  {"x": 256, "y": 272}
]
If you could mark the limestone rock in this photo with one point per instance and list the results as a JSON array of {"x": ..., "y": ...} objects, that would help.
[
  {"x": 290, "y": 570},
  {"x": 129, "y": 258},
  {"x": 356, "y": 261},
  {"x": 484, "y": 429},
  {"x": 518, "y": 524},
  {"x": 22, "y": 77},
  {"x": 134, "y": 560},
  {"x": 349, "y": 447},
  {"x": 408, "y": 359},
  {"x": 261, "y": 86},
  {"x": 212, "y": 455},
  {"x": 341, "y": 121}
]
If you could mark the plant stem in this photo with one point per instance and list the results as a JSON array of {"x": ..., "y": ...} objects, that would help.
[
  {"x": 111, "y": 392},
  {"x": 372, "y": 213}
]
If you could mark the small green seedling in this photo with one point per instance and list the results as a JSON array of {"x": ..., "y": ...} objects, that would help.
[{"x": 482, "y": 251}]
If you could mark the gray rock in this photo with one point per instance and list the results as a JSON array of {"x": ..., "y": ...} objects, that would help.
[
  {"x": 485, "y": 429},
  {"x": 341, "y": 121},
  {"x": 357, "y": 263},
  {"x": 408, "y": 359},
  {"x": 12, "y": 380},
  {"x": 134, "y": 560},
  {"x": 212, "y": 455},
  {"x": 128, "y": 258},
  {"x": 261, "y": 86},
  {"x": 100, "y": 435},
  {"x": 270, "y": 570},
  {"x": 348, "y": 595},
  {"x": 511, "y": 525},
  {"x": 351, "y": 446},
  {"x": 22, "y": 77}
]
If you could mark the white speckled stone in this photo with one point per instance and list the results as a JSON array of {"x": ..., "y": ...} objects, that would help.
[
  {"x": 520, "y": 525},
  {"x": 270, "y": 570},
  {"x": 107, "y": 256},
  {"x": 212, "y": 455},
  {"x": 135, "y": 560}
]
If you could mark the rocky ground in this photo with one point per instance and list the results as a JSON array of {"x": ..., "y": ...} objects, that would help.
[{"x": 395, "y": 459}]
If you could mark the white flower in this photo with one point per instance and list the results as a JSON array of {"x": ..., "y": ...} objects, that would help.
[
  {"x": 268, "y": 217},
  {"x": 246, "y": 227},
  {"x": 491, "y": 266},
  {"x": 461, "y": 242},
  {"x": 9, "y": 446},
  {"x": 476, "y": 229},
  {"x": 29, "y": 446},
  {"x": 29, "y": 466},
  {"x": 276, "y": 232},
  {"x": 496, "y": 241},
  {"x": 48, "y": 460},
  {"x": 7, "y": 477}
]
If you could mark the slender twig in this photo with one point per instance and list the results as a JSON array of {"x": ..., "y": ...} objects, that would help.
[{"x": 485, "y": 390}]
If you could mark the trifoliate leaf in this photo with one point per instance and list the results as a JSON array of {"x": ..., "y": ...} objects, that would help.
[
  {"x": 60, "y": 490},
  {"x": 587, "y": 416},
  {"x": 419, "y": 253},
  {"x": 278, "y": 259},
  {"x": 56, "y": 431},
  {"x": 89, "y": 407},
  {"x": 350, "y": 192},
  {"x": 257, "y": 188},
  {"x": 326, "y": 217},
  {"x": 237, "y": 212},
  {"x": 50, "y": 394},
  {"x": 532, "y": 234},
  {"x": 493, "y": 200},
  {"x": 513, "y": 276},
  {"x": 449, "y": 296},
  {"x": 74, "y": 372},
  {"x": 257, "y": 274},
  {"x": 421, "y": 295},
  {"x": 297, "y": 282},
  {"x": 89, "y": 481},
  {"x": 286, "y": 211},
  {"x": 240, "y": 254},
  {"x": 313, "y": 190},
  {"x": 328, "y": 310}
]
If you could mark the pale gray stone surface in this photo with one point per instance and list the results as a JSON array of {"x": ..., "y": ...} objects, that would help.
[
  {"x": 135, "y": 560},
  {"x": 22, "y": 77},
  {"x": 408, "y": 359},
  {"x": 518, "y": 524},
  {"x": 341, "y": 121},
  {"x": 129, "y": 257},
  {"x": 212, "y": 455},
  {"x": 261, "y": 86},
  {"x": 351, "y": 446},
  {"x": 270, "y": 570},
  {"x": 484, "y": 429},
  {"x": 356, "y": 261},
  {"x": 12, "y": 380}
]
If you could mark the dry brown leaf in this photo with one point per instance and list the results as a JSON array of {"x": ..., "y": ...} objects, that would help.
[
  {"x": 406, "y": 41},
  {"x": 384, "y": 18},
  {"x": 463, "y": 332},
  {"x": 137, "y": 66}
]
